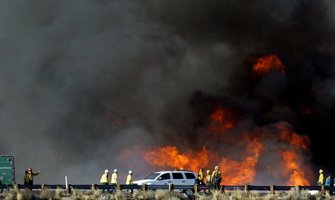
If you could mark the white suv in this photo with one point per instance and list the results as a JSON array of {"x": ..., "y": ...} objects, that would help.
[{"x": 177, "y": 177}]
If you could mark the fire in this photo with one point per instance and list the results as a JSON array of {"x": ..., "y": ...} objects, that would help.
[
  {"x": 242, "y": 172},
  {"x": 268, "y": 63},
  {"x": 222, "y": 119},
  {"x": 170, "y": 156},
  {"x": 292, "y": 138},
  {"x": 239, "y": 154},
  {"x": 234, "y": 171},
  {"x": 297, "y": 176}
]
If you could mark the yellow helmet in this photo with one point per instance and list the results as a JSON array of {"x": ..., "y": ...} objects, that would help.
[{"x": 320, "y": 171}]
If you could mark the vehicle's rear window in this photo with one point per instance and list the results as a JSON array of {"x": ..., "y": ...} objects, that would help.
[
  {"x": 152, "y": 176},
  {"x": 177, "y": 175},
  {"x": 190, "y": 176}
]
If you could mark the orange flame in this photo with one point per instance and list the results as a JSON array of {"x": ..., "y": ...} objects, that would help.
[
  {"x": 234, "y": 172},
  {"x": 297, "y": 176},
  {"x": 239, "y": 155},
  {"x": 242, "y": 172},
  {"x": 292, "y": 138},
  {"x": 268, "y": 63},
  {"x": 175, "y": 159},
  {"x": 222, "y": 119}
]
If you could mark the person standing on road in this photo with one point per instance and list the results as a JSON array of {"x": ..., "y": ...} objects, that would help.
[
  {"x": 216, "y": 178},
  {"x": 329, "y": 181},
  {"x": 26, "y": 177},
  {"x": 30, "y": 176},
  {"x": 200, "y": 178},
  {"x": 208, "y": 178},
  {"x": 129, "y": 180},
  {"x": 105, "y": 177},
  {"x": 321, "y": 178},
  {"x": 114, "y": 177}
]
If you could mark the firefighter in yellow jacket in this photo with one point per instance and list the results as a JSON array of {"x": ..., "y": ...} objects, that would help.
[
  {"x": 208, "y": 178},
  {"x": 105, "y": 177},
  {"x": 321, "y": 180},
  {"x": 129, "y": 180},
  {"x": 216, "y": 177},
  {"x": 26, "y": 178},
  {"x": 114, "y": 177},
  {"x": 29, "y": 177},
  {"x": 200, "y": 178}
]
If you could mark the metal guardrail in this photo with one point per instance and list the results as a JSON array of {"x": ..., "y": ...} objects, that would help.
[{"x": 69, "y": 187}]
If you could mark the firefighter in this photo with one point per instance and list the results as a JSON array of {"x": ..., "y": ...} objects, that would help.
[
  {"x": 208, "y": 178},
  {"x": 329, "y": 181},
  {"x": 321, "y": 178},
  {"x": 114, "y": 177},
  {"x": 26, "y": 178},
  {"x": 30, "y": 176},
  {"x": 104, "y": 180},
  {"x": 129, "y": 180},
  {"x": 216, "y": 178},
  {"x": 200, "y": 178}
]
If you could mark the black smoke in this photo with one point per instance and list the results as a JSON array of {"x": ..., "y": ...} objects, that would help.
[{"x": 82, "y": 81}]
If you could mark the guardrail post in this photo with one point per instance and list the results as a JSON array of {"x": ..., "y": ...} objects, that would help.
[
  {"x": 43, "y": 187},
  {"x": 66, "y": 184},
  {"x": 246, "y": 188},
  {"x": 144, "y": 187},
  {"x": 272, "y": 189},
  {"x": 94, "y": 187},
  {"x": 118, "y": 187},
  {"x": 171, "y": 187}
]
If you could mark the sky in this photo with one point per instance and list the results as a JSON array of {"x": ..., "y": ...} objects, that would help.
[{"x": 92, "y": 84}]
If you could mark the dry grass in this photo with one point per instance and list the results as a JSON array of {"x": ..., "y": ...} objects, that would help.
[{"x": 95, "y": 194}]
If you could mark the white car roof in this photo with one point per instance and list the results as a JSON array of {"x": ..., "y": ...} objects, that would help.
[{"x": 174, "y": 171}]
